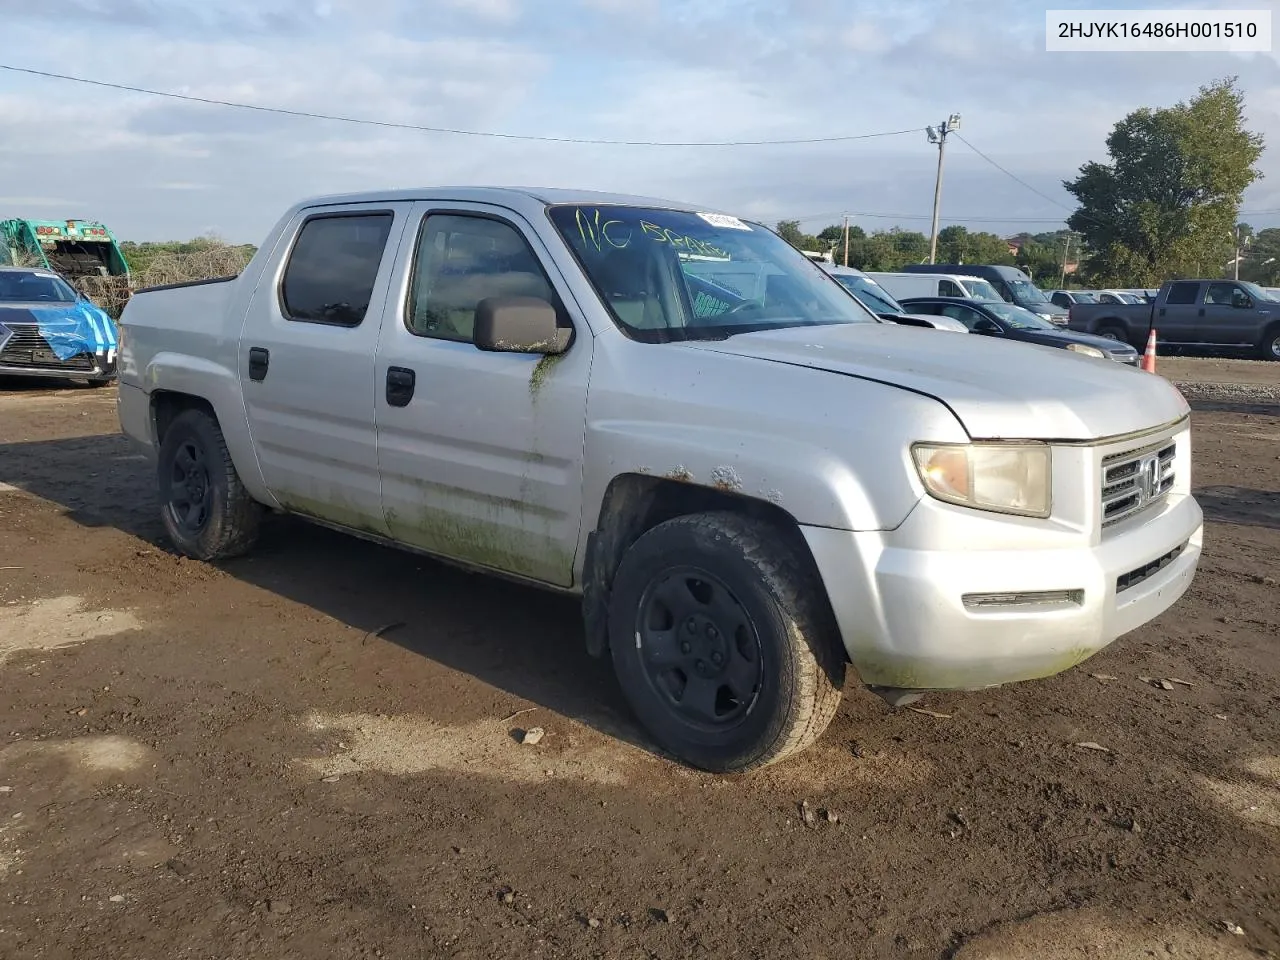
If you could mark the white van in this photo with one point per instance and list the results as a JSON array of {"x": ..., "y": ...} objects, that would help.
[{"x": 904, "y": 285}]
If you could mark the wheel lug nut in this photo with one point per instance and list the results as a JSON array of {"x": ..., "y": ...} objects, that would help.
[
  {"x": 685, "y": 648},
  {"x": 712, "y": 633},
  {"x": 691, "y": 626},
  {"x": 717, "y": 659}
]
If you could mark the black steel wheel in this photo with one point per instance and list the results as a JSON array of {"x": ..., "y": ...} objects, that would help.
[
  {"x": 206, "y": 510},
  {"x": 723, "y": 641},
  {"x": 190, "y": 487},
  {"x": 701, "y": 651}
]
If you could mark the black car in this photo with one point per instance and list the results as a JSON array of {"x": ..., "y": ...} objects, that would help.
[{"x": 995, "y": 318}]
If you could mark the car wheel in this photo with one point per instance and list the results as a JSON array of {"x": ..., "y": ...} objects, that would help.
[
  {"x": 1269, "y": 348},
  {"x": 206, "y": 510},
  {"x": 724, "y": 642},
  {"x": 1113, "y": 333}
]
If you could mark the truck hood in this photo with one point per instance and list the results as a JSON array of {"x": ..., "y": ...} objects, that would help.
[{"x": 997, "y": 390}]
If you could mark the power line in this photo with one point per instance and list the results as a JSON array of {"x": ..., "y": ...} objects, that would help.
[
  {"x": 1056, "y": 203},
  {"x": 452, "y": 130}
]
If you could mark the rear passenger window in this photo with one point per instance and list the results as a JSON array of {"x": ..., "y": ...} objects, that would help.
[
  {"x": 948, "y": 288},
  {"x": 332, "y": 268},
  {"x": 462, "y": 260},
  {"x": 1182, "y": 293}
]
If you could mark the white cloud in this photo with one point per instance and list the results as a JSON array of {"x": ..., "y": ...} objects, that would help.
[{"x": 640, "y": 70}]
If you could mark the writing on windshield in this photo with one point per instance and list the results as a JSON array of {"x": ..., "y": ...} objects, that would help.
[{"x": 680, "y": 275}]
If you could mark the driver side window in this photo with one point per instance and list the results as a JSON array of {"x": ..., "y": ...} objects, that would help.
[{"x": 462, "y": 260}]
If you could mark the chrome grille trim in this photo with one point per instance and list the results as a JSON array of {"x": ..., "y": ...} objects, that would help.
[{"x": 1137, "y": 480}]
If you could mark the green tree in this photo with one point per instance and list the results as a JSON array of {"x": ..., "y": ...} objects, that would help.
[
  {"x": 1261, "y": 262},
  {"x": 1042, "y": 261},
  {"x": 1166, "y": 202},
  {"x": 790, "y": 231}
]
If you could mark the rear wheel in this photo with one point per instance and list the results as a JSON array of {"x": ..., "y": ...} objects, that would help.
[
  {"x": 1269, "y": 346},
  {"x": 1113, "y": 333},
  {"x": 724, "y": 643},
  {"x": 206, "y": 510}
]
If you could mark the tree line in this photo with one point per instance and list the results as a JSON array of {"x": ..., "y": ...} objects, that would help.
[{"x": 1041, "y": 254}]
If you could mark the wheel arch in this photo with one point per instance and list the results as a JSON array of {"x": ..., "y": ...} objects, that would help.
[{"x": 635, "y": 503}]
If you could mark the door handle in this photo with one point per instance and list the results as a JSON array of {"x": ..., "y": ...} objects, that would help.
[
  {"x": 1162, "y": 311},
  {"x": 259, "y": 360},
  {"x": 400, "y": 381},
  {"x": 1201, "y": 311}
]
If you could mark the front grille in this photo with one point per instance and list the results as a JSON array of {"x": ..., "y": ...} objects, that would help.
[
  {"x": 27, "y": 349},
  {"x": 1135, "y": 480},
  {"x": 1137, "y": 575}
]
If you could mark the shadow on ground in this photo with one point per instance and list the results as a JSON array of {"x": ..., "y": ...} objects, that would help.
[
  {"x": 525, "y": 641},
  {"x": 1241, "y": 506}
]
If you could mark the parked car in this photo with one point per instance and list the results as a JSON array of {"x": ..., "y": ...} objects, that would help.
[
  {"x": 48, "y": 329},
  {"x": 880, "y": 302},
  {"x": 748, "y": 478},
  {"x": 1065, "y": 298},
  {"x": 995, "y": 318},
  {"x": 1216, "y": 313},
  {"x": 903, "y": 285},
  {"x": 1012, "y": 285},
  {"x": 1117, "y": 296}
]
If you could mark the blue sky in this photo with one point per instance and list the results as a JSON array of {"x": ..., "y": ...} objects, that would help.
[{"x": 612, "y": 69}]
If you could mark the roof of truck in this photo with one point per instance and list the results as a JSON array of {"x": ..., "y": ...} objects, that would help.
[{"x": 507, "y": 196}]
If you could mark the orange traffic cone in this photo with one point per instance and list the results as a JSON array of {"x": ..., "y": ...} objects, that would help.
[{"x": 1149, "y": 356}]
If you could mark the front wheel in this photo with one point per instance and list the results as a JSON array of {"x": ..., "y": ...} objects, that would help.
[
  {"x": 724, "y": 642},
  {"x": 205, "y": 508}
]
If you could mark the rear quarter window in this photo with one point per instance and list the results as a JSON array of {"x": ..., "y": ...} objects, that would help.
[
  {"x": 1182, "y": 293},
  {"x": 332, "y": 268}
]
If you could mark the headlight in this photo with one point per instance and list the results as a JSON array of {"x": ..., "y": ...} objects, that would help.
[
  {"x": 1002, "y": 477},
  {"x": 1087, "y": 350}
]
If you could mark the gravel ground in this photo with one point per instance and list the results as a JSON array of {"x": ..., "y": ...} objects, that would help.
[{"x": 313, "y": 752}]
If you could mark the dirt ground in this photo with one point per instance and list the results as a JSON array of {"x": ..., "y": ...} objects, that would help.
[{"x": 311, "y": 753}]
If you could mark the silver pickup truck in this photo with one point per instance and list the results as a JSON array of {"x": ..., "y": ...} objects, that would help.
[{"x": 750, "y": 480}]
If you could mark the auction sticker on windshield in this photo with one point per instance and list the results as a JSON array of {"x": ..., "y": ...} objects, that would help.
[{"x": 724, "y": 221}]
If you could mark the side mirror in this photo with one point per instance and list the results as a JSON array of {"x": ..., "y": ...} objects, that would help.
[
  {"x": 987, "y": 326},
  {"x": 518, "y": 325},
  {"x": 1241, "y": 301}
]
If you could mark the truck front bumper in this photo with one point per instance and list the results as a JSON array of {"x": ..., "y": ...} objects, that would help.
[{"x": 964, "y": 619}]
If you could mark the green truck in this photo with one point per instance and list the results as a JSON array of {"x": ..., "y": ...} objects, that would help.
[{"x": 73, "y": 248}]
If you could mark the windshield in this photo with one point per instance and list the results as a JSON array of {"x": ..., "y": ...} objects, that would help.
[
  {"x": 1255, "y": 291},
  {"x": 22, "y": 287},
  {"x": 1024, "y": 291},
  {"x": 672, "y": 275},
  {"x": 873, "y": 296},
  {"x": 1081, "y": 297},
  {"x": 981, "y": 290},
  {"x": 1019, "y": 318}
]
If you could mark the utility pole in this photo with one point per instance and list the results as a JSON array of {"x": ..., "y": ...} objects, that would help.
[
  {"x": 1066, "y": 248},
  {"x": 939, "y": 136},
  {"x": 846, "y": 239},
  {"x": 1239, "y": 246}
]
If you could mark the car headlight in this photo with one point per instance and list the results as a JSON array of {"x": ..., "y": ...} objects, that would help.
[
  {"x": 1001, "y": 477},
  {"x": 1087, "y": 350}
]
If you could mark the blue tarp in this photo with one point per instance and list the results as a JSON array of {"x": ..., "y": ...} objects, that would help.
[{"x": 73, "y": 328}]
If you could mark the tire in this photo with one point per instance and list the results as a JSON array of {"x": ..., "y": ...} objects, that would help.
[
  {"x": 1111, "y": 332},
  {"x": 1269, "y": 345},
  {"x": 206, "y": 510},
  {"x": 777, "y": 682}
]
